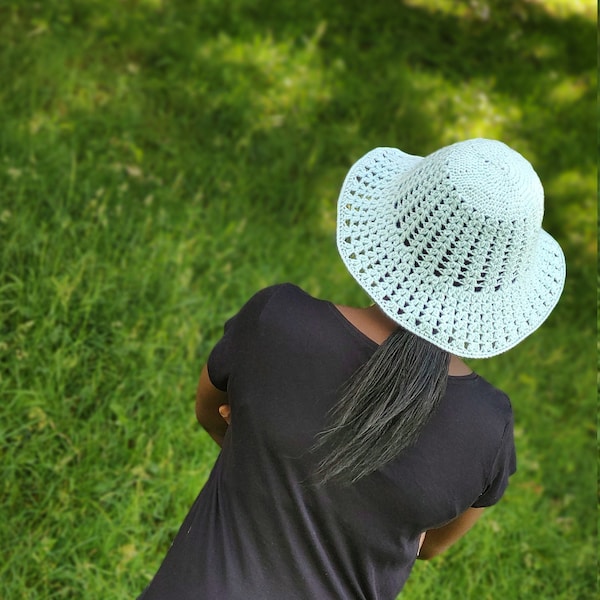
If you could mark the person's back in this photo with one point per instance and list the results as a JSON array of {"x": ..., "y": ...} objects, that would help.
[{"x": 263, "y": 528}]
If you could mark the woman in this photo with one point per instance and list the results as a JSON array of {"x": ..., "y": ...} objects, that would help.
[{"x": 356, "y": 439}]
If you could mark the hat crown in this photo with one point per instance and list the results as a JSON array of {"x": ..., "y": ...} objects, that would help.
[
  {"x": 470, "y": 215},
  {"x": 450, "y": 246},
  {"x": 488, "y": 176}
]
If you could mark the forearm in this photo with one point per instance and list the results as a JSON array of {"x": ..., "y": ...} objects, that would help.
[
  {"x": 212, "y": 423},
  {"x": 440, "y": 539},
  {"x": 217, "y": 437},
  {"x": 208, "y": 401},
  {"x": 433, "y": 545}
]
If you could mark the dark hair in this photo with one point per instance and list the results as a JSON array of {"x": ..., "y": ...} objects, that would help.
[{"x": 383, "y": 407}]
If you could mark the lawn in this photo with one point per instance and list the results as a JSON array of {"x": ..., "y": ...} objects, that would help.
[{"x": 162, "y": 160}]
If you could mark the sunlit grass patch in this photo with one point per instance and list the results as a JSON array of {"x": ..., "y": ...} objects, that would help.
[
  {"x": 273, "y": 81},
  {"x": 564, "y": 8},
  {"x": 467, "y": 109},
  {"x": 577, "y": 190},
  {"x": 486, "y": 9}
]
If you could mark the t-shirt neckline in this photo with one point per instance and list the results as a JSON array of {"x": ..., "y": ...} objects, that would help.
[
  {"x": 373, "y": 344},
  {"x": 350, "y": 326}
]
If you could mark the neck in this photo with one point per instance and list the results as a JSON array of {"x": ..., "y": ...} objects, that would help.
[{"x": 376, "y": 325}]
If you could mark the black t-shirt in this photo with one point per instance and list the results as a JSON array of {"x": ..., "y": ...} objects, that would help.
[{"x": 260, "y": 530}]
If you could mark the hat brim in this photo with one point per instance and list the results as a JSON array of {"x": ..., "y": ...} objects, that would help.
[{"x": 464, "y": 322}]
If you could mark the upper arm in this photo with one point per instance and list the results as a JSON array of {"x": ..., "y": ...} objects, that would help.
[{"x": 440, "y": 539}]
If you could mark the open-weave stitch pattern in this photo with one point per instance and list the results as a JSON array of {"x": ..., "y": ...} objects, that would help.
[{"x": 451, "y": 246}]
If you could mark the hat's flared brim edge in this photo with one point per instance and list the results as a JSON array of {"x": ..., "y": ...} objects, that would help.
[{"x": 542, "y": 286}]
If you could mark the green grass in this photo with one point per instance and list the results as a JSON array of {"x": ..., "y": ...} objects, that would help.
[{"x": 160, "y": 161}]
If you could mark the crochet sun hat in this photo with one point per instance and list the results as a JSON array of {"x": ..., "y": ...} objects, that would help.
[{"x": 451, "y": 246}]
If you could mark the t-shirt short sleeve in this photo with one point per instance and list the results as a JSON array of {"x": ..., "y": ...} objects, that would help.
[
  {"x": 238, "y": 328},
  {"x": 505, "y": 465}
]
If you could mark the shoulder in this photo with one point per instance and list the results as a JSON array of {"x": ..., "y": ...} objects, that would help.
[
  {"x": 282, "y": 292},
  {"x": 488, "y": 406},
  {"x": 275, "y": 297},
  {"x": 497, "y": 399},
  {"x": 277, "y": 291}
]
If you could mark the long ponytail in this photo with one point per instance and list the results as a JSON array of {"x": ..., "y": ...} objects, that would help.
[{"x": 383, "y": 407}]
